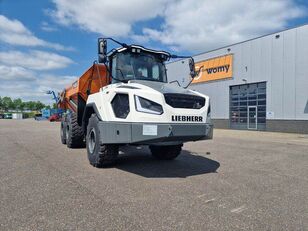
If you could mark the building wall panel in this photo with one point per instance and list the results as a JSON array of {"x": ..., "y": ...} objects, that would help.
[
  {"x": 301, "y": 76},
  {"x": 281, "y": 62},
  {"x": 289, "y": 57}
]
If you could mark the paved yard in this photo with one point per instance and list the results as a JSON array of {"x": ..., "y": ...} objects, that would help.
[{"x": 241, "y": 180}]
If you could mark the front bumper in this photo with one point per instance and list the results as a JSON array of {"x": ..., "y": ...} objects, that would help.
[{"x": 153, "y": 133}]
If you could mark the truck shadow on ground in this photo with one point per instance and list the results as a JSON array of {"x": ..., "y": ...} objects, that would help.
[{"x": 187, "y": 164}]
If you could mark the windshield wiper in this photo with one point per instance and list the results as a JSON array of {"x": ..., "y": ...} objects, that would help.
[
  {"x": 120, "y": 80},
  {"x": 147, "y": 79}
]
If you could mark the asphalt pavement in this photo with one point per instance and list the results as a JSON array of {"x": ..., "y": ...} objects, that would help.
[{"x": 240, "y": 180}]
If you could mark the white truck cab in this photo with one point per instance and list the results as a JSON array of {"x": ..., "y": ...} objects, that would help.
[{"x": 140, "y": 107}]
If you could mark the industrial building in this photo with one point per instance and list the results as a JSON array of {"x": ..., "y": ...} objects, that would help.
[{"x": 258, "y": 84}]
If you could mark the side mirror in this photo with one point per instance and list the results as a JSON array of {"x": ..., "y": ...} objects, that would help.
[
  {"x": 102, "y": 50},
  {"x": 192, "y": 68}
]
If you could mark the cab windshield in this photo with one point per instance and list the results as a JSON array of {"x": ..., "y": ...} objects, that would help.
[{"x": 142, "y": 66}]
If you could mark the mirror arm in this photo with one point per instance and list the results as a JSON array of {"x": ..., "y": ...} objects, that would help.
[
  {"x": 200, "y": 68},
  {"x": 196, "y": 73},
  {"x": 102, "y": 53},
  {"x": 122, "y": 44},
  {"x": 188, "y": 83},
  {"x": 175, "y": 81}
]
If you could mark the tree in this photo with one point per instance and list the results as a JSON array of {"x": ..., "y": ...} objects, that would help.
[
  {"x": 39, "y": 105},
  {"x": 7, "y": 103},
  {"x": 18, "y": 104},
  {"x": 1, "y": 106},
  {"x": 30, "y": 105},
  {"x": 26, "y": 106}
]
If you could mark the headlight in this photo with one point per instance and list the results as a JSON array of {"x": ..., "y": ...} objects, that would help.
[
  {"x": 120, "y": 105},
  {"x": 148, "y": 106}
]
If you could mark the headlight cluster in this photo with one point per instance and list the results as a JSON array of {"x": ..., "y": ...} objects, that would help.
[
  {"x": 148, "y": 106},
  {"x": 120, "y": 105}
]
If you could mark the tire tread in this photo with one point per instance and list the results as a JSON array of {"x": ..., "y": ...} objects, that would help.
[
  {"x": 107, "y": 154},
  {"x": 76, "y": 139}
]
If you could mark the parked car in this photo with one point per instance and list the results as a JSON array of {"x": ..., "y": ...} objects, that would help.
[
  {"x": 54, "y": 118},
  {"x": 8, "y": 116},
  {"x": 38, "y": 116}
]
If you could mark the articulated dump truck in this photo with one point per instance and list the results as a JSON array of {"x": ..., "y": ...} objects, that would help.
[{"x": 125, "y": 99}]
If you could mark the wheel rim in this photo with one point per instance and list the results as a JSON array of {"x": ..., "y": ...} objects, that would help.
[{"x": 92, "y": 141}]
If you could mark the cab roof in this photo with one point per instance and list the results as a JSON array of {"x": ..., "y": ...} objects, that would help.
[{"x": 138, "y": 49}]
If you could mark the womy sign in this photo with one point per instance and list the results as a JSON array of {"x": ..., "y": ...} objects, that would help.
[{"x": 214, "y": 69}]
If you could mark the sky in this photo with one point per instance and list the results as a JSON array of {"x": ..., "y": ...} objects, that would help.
[{"x": 47, "y": 44}]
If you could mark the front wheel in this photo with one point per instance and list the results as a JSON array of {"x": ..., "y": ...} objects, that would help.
[
  {"x": 169, "y": 152},
  {"x": 99, "y": 155}
]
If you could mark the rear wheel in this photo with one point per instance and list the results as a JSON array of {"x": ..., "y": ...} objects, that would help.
[
  {"x": 63, "y": 132},
  {"x": 99, "y": 155},
  {"x": 169, "y": 152},
  {"x": 74, "y": 133}
]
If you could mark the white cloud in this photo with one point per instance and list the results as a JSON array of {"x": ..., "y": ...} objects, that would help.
[
  {"x": 15, "y": 73},
  {"x": 45, "y": 26},
  {"x": 35, "y": 60},
  {"x": 51, "y": 82},
  {"x": 23, "y": 74},
  {"x": 15, "y": 33},
  {"x": 204, "y": 25},
  {"x": 196, "y": 25},
  {"x": 109, "y": 18},
  {"x": 34, "y": 88}
]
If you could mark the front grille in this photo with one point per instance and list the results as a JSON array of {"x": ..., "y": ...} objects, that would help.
[{"x": 184, "y": 101}]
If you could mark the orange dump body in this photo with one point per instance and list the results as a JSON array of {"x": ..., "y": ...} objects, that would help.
[{"x": 75, "y": 96}]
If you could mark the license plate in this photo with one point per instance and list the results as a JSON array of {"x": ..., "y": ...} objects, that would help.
[{"x": 149, "y": 130}]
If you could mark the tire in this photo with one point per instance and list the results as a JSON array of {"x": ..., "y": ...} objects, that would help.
[
  {"x": 169, "y": 152},
  {"x": 99, "y": 155},
  {"x": 74, "y": 133},
  {"x": 63, "y": 131}
]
